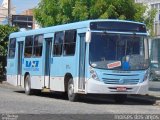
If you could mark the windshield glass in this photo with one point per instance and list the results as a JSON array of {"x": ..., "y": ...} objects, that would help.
[{"x": 118, "y": 51}]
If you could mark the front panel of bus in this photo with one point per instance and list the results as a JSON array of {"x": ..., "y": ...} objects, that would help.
[{"x": 118, "y": 58}]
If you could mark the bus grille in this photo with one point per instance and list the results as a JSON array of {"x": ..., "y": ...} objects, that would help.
[{"x": 120, "y": 81}]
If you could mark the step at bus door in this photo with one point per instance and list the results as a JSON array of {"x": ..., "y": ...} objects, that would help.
[
  {"x": 19, "y": 63},
  {"x": 82, "y": 56},
  {"x": 47, "y": 65}
]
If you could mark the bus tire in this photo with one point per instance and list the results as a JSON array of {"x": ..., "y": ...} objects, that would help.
[
  {"x": 120, "y": 98},
  {"x": 71, "y": 95},
  {"x": 28, "y": 89}
]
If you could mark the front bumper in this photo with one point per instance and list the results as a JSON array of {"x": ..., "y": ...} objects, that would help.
[{"x": 98, "y": 87}]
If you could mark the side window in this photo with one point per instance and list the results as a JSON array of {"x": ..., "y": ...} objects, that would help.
[
  {"x": 38, "y": 42},
  {"x": 70, "y": 42},
  {"x": 12, "y": 47},
  {"x": 28, "y": 46},
  {"x": 58, "y": 43}
]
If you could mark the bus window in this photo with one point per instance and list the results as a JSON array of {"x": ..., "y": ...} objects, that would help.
[
  {"x": 28, "y": 46},
  {"x": 70, "y": 42},
  {"x": 58, "y": 43},
  {"x": 12, "y": 46},
  {"x": 38, "y": 42}
]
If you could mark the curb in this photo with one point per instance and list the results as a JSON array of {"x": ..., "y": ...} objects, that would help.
[
  {"x": 150, "y": 98},
  {"x": 140, "y": 98},
  {"x": 5, "y": 84},
  {"x": 157, "y": 103}
]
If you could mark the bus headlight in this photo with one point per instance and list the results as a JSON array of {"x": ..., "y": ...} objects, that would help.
[{"x": 94, "y": 75}]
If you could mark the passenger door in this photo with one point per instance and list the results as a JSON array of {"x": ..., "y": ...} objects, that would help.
[
  {"x": 82, "y": 56},
  {"x": 47, "y": 64},
  {"x": 19, "y": 63}
]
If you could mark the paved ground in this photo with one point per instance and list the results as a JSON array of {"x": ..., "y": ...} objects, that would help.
[
  {"x": 154, "y": 88},
  {"x": 13, "y": 100}
]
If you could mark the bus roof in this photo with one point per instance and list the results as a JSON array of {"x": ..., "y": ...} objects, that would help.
[{"x": 76, "y": 25}]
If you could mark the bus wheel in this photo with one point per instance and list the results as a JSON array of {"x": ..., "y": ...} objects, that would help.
[
  {"x": 71, "y": 95},
  {"x": 120, "y": 98},
  {"x": 28, "y": 89}
]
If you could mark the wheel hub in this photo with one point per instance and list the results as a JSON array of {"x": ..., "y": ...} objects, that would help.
[
  {"x": 71, "y": 89},
  {"x": 27, "y": 85}
]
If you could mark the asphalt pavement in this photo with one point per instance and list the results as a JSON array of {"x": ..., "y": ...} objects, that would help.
[{"x": 15, "y": 104}]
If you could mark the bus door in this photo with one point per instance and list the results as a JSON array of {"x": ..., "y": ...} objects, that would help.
[
  {"x": 82, "y": 56},
  {"x": 20, "y": 51},
  {"x": 47, "y": 64}
]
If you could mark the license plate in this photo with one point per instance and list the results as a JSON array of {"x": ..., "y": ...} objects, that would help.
[{"x": 121, "y": 89}]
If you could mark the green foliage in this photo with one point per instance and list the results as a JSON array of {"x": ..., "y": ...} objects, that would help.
[
  {"x": 54, "y": 12},
  {"x": 5, "y": 30},
  {"x": 149, "y": 19},
  {"x": 139, "y": 11}
]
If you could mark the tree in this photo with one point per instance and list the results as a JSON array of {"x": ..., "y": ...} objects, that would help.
[
  {"x": 54, "y": 12},
  {"x": 146, "y": 15},
  {"x": 149, "y": 19},
  {"x": 4, "y": 37}
]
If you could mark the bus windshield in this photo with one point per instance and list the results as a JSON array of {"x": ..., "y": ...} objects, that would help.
[{"x": 118, "y": 51}]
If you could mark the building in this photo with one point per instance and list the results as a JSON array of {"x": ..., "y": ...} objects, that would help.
[
  {"x": 4, "y": 11},
  {"x": 3, "y": 14},
  {"x": 153, "y": 4},
  {"x": 25, "y": 20},
  {"x": 22, "y": 21},
  {"x": 29, "y": 12}
]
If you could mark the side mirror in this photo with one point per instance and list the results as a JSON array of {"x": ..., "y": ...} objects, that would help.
[{"x": 88, "y": 36}]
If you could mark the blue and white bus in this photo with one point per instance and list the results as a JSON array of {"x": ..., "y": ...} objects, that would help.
[{"x": 88, "y": 57}]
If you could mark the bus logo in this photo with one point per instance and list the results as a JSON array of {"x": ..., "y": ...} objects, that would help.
[
  {"x": 32, "y": 63},
  {"x": 32, "y": 66}
]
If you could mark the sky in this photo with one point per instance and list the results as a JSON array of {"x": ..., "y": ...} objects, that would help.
[{"x": 22, "y": 5}]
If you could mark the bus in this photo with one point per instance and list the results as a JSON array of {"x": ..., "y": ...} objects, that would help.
[
  {"x": 155, "y": 59},
  {"x": 102, "y": 56}
]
